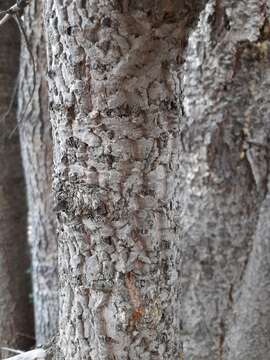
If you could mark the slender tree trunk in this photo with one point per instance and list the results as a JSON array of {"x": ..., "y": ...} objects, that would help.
[
  {"x": 16, "y": 320},
  {"x": 113, "y": 75},
  {"x": 36, "y": 143},
  {"x": 225, "y": 200}
]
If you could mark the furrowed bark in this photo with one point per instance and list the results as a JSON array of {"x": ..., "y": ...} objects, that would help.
[
  {"x": 16, "y": 320},
  {"x": 136, "y": 183},
  {"x": 225, "y": 199},
  {"x": 114, "y": 86},
  {"x": 36, "y": 143}
]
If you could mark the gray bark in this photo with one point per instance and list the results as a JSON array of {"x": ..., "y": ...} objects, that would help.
[
  {"x": 224, "y": 193},
  {"x": 16, "y": 329},
  {"x": 137, "y": 182},
  {"x": 114, "y": 86},
  {"x": 36, "y": 143}
]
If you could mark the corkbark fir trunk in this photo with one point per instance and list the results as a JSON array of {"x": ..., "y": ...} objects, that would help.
[
  {"x": 36, "y": 143},
  {"x": 16, "y": 320},
  {"x": 225, "y": 193},
  {"x": 115, "y": 108}
]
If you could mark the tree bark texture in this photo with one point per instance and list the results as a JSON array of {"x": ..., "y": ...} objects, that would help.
[
  {"x": 16, "y": 320},
  {"x": 36, "y": 143},
  {"x": 225, "y": 203},
  {"x": 116, "y": 112},
  {"x": 157, "y": 159}
]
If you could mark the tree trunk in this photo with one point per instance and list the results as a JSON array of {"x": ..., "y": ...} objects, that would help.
[
  {"x": 224, "y": 194},
  {"x": 137, "y": 181},
  {"x": 16, "y": 329},
  {"x": 36, "y": 143},
  {"x": 114, "y": 85}
]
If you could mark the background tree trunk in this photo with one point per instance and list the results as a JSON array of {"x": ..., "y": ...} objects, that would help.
[
  {"x": 16, "y": 318},
  {"x": 224, "y": 192},
  {"x": 36, "y": 143},
  {"x": 113, "y": 75}
]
